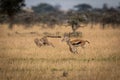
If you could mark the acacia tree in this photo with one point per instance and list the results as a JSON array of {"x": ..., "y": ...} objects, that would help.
[
  {"x": 44, "y": 8},
  {"x": 75, "y": 20},
  {"x": 83, "y": 7},
  {"x": 10, "y": 8}
]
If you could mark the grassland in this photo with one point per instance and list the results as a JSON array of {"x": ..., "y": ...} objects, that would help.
[{"x": 21, "y": 59}]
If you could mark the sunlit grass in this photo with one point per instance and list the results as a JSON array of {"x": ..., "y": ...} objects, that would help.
[{"x": 21, "y": 59}]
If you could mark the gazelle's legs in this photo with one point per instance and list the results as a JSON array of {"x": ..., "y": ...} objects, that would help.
[
  {"x": 73, "y": 49},
  {"x": 76, "y": 50}
]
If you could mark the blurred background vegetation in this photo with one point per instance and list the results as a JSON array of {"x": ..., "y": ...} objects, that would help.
[{"x": 47, "y": 15}]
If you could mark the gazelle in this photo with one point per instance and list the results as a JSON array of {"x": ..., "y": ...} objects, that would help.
[
  {"x": 72, "y": 48},
  {"x": 78, "y": 42},
  {"x": 42, "y": 42},
  {"x": 73, "y": 44}
]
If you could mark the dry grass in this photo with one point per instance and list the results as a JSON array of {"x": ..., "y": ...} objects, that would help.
[{"x": 21, "y": 59}]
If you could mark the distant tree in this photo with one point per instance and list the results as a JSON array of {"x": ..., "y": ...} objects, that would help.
[
  {"x": 75, "y": 20},
  {"x": 112, "y": 18},
  {"x": 49, "y": 15},
  {"x": 43, "y": 8},
  {"x": 105, "y": 7},
  {"x": 10, "y": 8},
  {"x": 57, "y": 7},
  {"x": 119, "y": 6},
  {"x": 83, "y": 7}
]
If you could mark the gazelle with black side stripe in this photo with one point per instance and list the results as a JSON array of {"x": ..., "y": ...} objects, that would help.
[{"x": 73, "y": 44}]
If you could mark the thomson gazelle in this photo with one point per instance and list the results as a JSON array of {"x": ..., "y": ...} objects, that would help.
[{"x": 73, "y": 44}]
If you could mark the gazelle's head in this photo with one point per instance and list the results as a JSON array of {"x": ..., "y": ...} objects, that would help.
[{"x": 66, "y": 37}]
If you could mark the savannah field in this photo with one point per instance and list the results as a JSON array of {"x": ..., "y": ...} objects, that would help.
[{"x": 21, "y": 59}]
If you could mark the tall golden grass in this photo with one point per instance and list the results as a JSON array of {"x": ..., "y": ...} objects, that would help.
[{"x": 21, "y": 59}]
